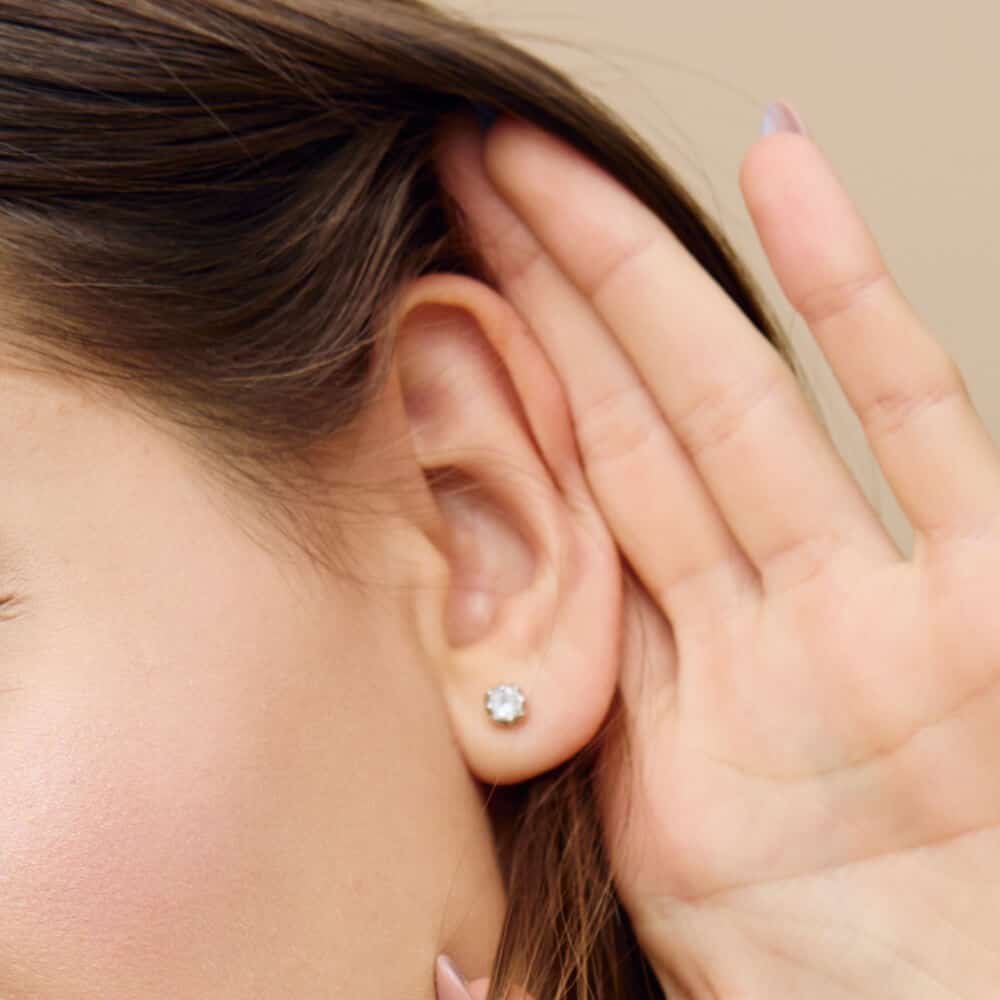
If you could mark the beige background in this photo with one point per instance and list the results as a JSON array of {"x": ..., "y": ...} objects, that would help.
[{"x": 901, "y": 96}]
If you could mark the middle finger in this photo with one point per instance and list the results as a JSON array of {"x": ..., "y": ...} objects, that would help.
[{"x": 784, "y": 490}]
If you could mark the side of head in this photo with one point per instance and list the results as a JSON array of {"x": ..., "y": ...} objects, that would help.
[{"x": 288, "y": 485}]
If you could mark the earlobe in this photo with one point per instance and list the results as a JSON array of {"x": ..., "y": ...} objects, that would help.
[{"x": 534, "y": 590}]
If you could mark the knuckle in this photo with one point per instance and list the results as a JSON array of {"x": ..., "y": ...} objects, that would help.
[
  {"x": 730, "y": 581},
  {"x": 622, "y": 262},
  {"x": 521, "y": 256},
  {"x": 800, "y": 561},
  {"x": 718, "y": 416},
  {"x": 830, "y": 302},
  {"x": 897, "y": 407},
  {"x": 979, "y": 531},
  {"x": 618, "y": 425}
]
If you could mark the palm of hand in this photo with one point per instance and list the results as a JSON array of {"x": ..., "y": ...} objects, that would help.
[
  {"x": 802, "y": 791},
  {"x": 826, "y": 749}
]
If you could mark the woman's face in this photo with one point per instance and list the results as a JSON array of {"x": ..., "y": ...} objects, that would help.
[{"x": 223, "y": 774}]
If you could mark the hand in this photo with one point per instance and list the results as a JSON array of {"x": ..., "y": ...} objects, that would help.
[{"x": 814, "y": 719}]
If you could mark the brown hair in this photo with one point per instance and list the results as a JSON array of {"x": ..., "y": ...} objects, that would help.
[{"x": 209, "y": 207}]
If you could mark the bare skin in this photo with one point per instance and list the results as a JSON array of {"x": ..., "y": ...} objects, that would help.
[
  {"x": 204, "y": 741},
  {"x": 207, "y": 746},
  {"x": 230, "y": 774},
  {"x": 817, "y": 718}
]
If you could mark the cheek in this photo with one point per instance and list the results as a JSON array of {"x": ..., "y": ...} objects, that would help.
[{"x": 124, "y": 840}]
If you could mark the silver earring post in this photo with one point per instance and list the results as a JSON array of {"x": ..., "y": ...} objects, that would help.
[{"x": 505, "y": 704}]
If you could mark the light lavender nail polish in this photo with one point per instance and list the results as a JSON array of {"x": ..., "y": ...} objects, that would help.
[
  {"x": 451, "y": 984},
  {"x": 782, "y": 117}
]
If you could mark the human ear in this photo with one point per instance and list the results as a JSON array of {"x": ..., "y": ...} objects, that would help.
[{"x": 534, "y": 579}]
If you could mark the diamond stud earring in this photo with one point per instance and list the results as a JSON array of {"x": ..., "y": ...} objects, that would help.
[{"x": 505, "y": 704}]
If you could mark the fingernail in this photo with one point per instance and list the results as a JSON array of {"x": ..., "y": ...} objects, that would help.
[
  {"x": 451, "y": 984},
  {"x": 782, "y": 117}
]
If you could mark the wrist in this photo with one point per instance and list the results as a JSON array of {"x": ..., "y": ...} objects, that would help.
[{"x": 919, "y": 939}]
